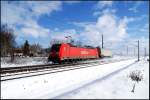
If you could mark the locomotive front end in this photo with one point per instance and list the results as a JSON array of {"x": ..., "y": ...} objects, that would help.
[{"x": 54, "y": 53}]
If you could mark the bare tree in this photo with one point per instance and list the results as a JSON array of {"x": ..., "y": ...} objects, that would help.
[
  {"x": 35, "y": 49},
  {"x": 136, "y": 76},
  {"x": 7, "y": 41}
]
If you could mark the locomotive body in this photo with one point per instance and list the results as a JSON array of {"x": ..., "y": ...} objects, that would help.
[{"x": 68, "y": 52}]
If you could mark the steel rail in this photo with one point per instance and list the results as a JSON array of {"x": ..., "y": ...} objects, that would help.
[
  {"x": 34, "y": 67},
  {"x": 64, "y": 68}
]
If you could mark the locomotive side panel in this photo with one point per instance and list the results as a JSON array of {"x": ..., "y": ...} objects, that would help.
[
  {"x": 74, "y": 53},
  {"x": 82, "y": 53}
]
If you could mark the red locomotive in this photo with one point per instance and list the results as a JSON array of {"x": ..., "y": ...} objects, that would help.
[{"x": 66, "y": 52}]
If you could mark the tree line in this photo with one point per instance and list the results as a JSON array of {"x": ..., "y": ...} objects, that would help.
[{"x": 9, "y": 45}]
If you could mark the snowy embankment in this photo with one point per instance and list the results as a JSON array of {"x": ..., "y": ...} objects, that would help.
[
  {"x": 20, "y": 61},
  {"x": 57, "y": 84}
]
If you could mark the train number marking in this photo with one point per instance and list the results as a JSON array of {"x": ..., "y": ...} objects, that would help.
[{"x": 84, "y": 52}]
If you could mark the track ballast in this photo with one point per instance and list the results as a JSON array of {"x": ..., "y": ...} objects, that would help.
[{"x": 35, "y": 70}]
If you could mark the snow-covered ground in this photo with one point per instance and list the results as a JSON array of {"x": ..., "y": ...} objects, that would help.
[
  {"x": 102, "y": 81},
  {"x": 118, "y": 86},
  {"x": 19, "y": 61}
]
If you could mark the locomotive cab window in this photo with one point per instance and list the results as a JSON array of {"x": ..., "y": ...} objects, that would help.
[{"x": 55, "y": 47}]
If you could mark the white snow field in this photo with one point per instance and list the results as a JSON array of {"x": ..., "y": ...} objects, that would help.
[
  {"x": 117, "y": 86},
  {"x": 102, "y": 81}
]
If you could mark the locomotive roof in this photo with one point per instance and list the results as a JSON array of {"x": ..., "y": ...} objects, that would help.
[{"x": 73, "y": 45}]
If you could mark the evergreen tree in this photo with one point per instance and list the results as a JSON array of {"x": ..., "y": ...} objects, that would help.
[{"x": 26, "y": 49}]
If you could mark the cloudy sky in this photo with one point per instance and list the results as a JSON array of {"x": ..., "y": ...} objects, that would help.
[{"x": 85, "y": 21}]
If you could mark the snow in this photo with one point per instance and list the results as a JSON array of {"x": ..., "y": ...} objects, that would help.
[
  {"x": 20, "y": 61},
  {"x": 60, "y": 85},
  {"x": 118, "y": 86}
]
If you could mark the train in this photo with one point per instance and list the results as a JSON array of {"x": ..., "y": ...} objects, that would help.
[{"x": 67, "y": 52}]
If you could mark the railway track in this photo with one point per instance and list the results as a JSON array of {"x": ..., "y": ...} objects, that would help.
[
  {"x": 18, "y": 69},
  {"x": 34, "y": 67},
  {"x": 36, "y": 70}
]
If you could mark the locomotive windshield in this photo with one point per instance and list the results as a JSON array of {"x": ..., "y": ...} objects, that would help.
[{"x": 55, "y": 47}]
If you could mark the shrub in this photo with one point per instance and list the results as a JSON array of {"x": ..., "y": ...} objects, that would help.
[{"x": 136, "y": 76}]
